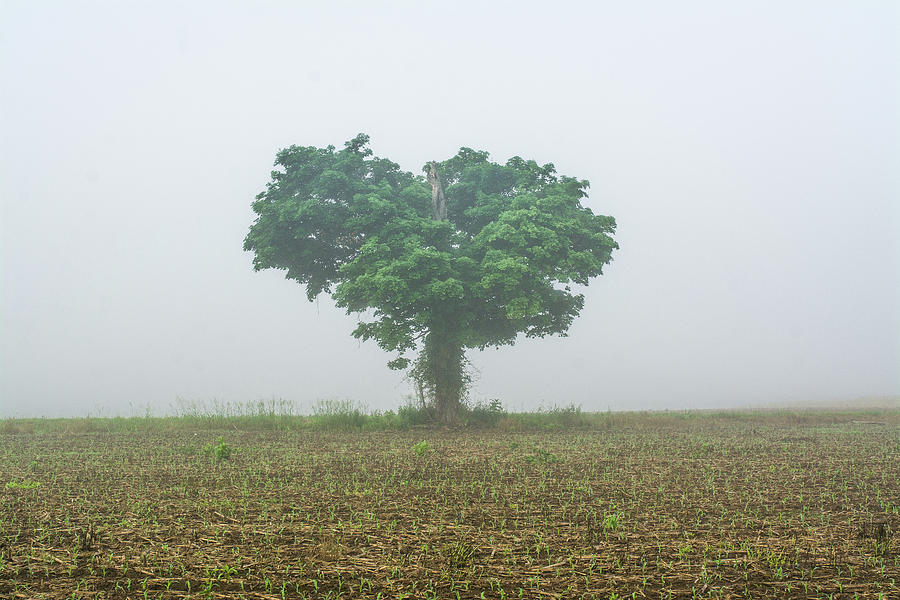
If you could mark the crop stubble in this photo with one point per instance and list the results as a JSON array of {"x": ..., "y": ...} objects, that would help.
[{"x": 756, "y": 507}]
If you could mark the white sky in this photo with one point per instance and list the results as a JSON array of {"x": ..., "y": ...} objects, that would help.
[{"x": 750, "y": 152}]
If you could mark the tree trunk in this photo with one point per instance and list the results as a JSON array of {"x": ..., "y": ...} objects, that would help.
[
  {"x": 443, "y": 354},
  {"x": 438, "y": 201},
  {"x": 445, "y": 372}
]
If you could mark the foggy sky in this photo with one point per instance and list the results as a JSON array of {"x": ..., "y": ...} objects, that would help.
[{"x": 748, "y": 150}]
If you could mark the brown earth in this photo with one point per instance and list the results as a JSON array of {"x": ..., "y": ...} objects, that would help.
[{"x": 707, "y": 507}]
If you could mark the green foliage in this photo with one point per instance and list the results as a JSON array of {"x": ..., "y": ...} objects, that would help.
[
  {"x": 516, "y": 237},
  {"x": 339, "y": 415},
  {"x": 411, "y": 414},
  {"x": 558, "y": 417},
  {"x": 541, "y": 456},
  {"x": 221, "y": 450},
  {"x": 612, "y": 520},
  {"x": 485, "y": 414},
  {"x": 566, "y": 416},
  {"x": 421, "y": 449},
  {"x": 25, "y": 484},
  {"x": 247, "y": 417},
  {"x": 459, "y": 554}
]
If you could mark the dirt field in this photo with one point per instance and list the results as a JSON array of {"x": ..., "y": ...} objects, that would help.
[{"x": 658, "y": 506}]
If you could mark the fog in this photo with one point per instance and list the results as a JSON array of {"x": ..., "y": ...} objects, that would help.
[{"x": 749, "y": 152}]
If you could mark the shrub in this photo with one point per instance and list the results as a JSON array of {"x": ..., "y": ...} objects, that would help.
[{"x": 220, "y": 450}]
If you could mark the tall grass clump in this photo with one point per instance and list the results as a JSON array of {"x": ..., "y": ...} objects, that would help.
[
  {"x": 338, "y": 415},
  {"x": 274, "y": 413},
  {"x": 554, "y": 417},
  {"x": 484, "y": 413},
  {"x": 412, "y": 414}
]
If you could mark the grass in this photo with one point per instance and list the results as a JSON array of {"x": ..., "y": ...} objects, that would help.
[{"x": 345, "y": 415}]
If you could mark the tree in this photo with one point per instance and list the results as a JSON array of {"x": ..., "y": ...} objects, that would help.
[{"x": 469, "y": 256}]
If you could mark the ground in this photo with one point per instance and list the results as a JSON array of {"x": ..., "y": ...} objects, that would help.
[{"x": 666, "y": 505}]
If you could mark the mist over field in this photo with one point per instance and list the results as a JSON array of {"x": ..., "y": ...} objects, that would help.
[{"x": 749, "y": 153}]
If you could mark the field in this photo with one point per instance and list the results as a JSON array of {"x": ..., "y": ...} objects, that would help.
[{"x": 664, "y": 505}]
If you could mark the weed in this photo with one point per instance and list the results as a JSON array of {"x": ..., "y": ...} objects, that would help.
[
  {"x": 485, "y": 414},
  {"x": 459, "y": 554},
  {"x": 25, "y": 484},
  {"x": 221, "y": 450},
  {"x": 612, "y": 520},
  {"x": 541, "y": 456},
  {"x": 339, "y": 415}
]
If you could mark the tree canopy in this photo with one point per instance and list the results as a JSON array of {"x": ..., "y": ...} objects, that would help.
[{"x": 469, "y": 257}]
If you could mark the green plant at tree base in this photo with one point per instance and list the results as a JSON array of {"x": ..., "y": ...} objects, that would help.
[{"x": 469, "y": 257}]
